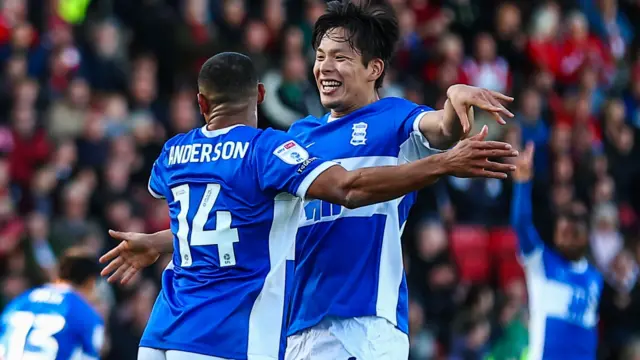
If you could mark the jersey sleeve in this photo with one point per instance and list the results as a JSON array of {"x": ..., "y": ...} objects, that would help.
[
  {"x": 413, "y": 145},
  {"x": 522, "y": 219},
  {"x": 282, "y": 164},
  {"x": 156, "y": 185}
]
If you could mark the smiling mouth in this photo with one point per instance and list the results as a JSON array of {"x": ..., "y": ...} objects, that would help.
[{"x": 329, "y": 86}]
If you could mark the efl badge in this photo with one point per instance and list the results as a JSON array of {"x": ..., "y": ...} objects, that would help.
[{"x": 291, "y": 153}]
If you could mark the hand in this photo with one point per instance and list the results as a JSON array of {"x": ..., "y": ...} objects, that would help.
[
  {"x": 470, "y": 158},
  {"x": 524, "y": 164},
  {"x": 134, "y": 253},
  {"x": 463, "y": 97}
]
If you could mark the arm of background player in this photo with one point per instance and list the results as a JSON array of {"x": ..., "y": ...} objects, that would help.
[
  {"x": 521, "y": 209},
  {"x": 522, "y": 218},
  {"x": 367, "y": 186},
  {"x": 445, "y": 127}
]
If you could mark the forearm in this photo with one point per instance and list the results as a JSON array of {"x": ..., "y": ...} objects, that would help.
[
  {"x": 521, "y": 209},
  {"x": 162, "y": 241},
  {"x": 442, "y": 128},
  {"x": 522, "y": 217},
  {"x": 378, "y": 184}
]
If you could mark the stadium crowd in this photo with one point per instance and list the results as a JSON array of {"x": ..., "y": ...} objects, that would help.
[{"x": 90, "y": 90}]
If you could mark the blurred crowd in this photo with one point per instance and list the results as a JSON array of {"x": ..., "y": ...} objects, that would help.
[{"x": 90, "y": 90}]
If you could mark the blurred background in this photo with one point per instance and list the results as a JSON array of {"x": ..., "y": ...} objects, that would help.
[{"x": 90, "y": 90}]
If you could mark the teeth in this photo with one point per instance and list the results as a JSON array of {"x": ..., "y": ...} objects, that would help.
[{"x": 331, "y": 83}]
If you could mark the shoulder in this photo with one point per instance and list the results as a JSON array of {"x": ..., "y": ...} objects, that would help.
[
  {"x": 393, "y": 103},
  {"x": 82, "y": 310},
  {"x": 177, "y": 139},
  {"x": 304, "y": 124}
]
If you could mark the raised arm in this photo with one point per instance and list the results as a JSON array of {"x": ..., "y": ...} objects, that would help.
[
  {"x": 469, "y": 158},
  {"x": 443, "y": 128},
  {"x": 521, "y": 211}
]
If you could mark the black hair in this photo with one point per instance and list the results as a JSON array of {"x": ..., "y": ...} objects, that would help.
[
  {"x": 371, "y": 29},
  {"x": 228, "y": 77},
  {"x": 77, "y": 266}
]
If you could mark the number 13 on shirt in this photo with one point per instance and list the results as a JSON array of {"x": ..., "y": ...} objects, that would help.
[{"x": 223, "y": 236}]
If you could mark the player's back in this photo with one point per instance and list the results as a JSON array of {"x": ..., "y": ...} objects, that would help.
[
  {"x": 234, "y": 235},
  {"x": 563, "y": 302},
  {"x": 51, "y": 322}
]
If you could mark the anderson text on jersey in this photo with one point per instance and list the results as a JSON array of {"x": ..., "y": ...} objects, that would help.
[{"x": 180, "y": 154}]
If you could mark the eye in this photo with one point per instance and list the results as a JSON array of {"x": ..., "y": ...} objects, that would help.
[
  {"x": 341, "y": 58},
  {"x": 319, "y": 58}
]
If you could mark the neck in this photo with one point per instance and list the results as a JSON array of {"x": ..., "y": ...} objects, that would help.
[
  {"x": 227, "y": 115},
  {"x": 359, "y": 103},
  {"x": 78, "y": 289}
]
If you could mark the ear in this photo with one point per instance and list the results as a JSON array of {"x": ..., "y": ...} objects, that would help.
[
  {"x": 376, "y": 68},
  {"x": 261, "y": 93},
  {"x": 203, "y": 104}
]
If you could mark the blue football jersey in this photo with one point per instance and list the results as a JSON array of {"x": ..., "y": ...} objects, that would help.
[
  {"x": 51, "y": 322},
  {"x": 349, "y": 262},
  {"x": 235, "y": 201},
  {"x": 563, "y": 295}
]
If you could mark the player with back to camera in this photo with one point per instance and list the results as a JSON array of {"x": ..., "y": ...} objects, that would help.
[
  {"x": 348, "y": 295},
  {"x": 564, "y": 289},
  {"x": 56, "y": 321},
  {"x": 235, "y": 199}
]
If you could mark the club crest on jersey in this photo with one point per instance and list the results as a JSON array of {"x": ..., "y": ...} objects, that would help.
[
  {"x": 291, "y": 153},
  {"x": 359, "y": 134}
]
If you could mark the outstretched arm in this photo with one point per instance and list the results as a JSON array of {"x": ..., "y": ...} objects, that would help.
[
  {"x": 521, "y": 210},
  {"x": 470, "y": 158},
  {"x": 443, "y": 128}
]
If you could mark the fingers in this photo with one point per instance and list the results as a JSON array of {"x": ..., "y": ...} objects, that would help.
[
  {"x": 498, "y": 167},
  {"x": 112, "y": 254},
  {"x": 115, "y": 264},
  {"x": 501, "y": 96},
  {"x": 128, "y": 275},
  {"x": 529, "y": 150},
  {"x": 481, "y": 135},
  {"x": 491, "y": 174},
  {"x": 490, "y": 145},
  {"x": 495, "y": 153},
  {"x": 461, "y": 111},
  {"x": 119, "y": 235},
  {"x": 119, "y": 273}
]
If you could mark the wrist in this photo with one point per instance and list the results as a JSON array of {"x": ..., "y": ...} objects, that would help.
[{"x": 439, "y": 164}]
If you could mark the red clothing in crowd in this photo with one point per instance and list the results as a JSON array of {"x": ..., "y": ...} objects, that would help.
[
  {"x": 545, "y": 54},
  {"x": 26, "y": 155},
  {"x": 574, "y": 56}
]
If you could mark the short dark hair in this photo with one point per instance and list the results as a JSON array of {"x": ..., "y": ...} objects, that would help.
[
  {"x": 228, "y": 77},
  {"x": 77, "y": 266},
  {"x": 372, "y": 29}
]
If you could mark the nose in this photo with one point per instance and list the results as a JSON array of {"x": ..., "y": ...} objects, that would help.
[{"x": 326, "y": 66}]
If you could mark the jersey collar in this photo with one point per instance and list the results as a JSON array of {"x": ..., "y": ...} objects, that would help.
[{"x": 214, "y": 133}]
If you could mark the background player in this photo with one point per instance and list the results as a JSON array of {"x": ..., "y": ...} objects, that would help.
[
  {"x": 235, "y": 226},
  {"x": 564, "y": 289},
  {"x": 56, "y": 321}
]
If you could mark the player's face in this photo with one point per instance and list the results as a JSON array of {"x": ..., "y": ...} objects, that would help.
[
  {"x": 571, "y": 239},
  {"x": 345, "y": 84}
]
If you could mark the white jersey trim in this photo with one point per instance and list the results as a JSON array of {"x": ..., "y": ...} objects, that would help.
[
  {"x": 311, "y": 177},
  {"x": 153, "y": 193},
  {"x": 417, "y": 135},
  {"x": 267, "y": 315},
  {"x": 218, "y": 132}
]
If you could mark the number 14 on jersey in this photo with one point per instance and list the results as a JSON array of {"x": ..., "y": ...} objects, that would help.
[{"x": 223, "y": 236}]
